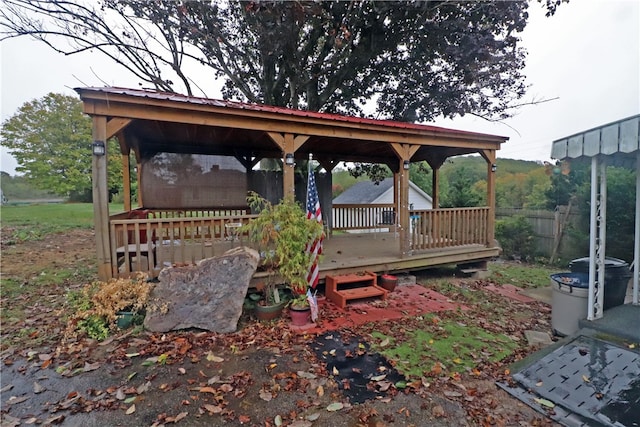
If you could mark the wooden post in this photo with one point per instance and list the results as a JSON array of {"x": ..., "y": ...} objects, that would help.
[
  {"x": 288, "y": 171},
  {"x": 435, "y": 188},
  {"x": 404, "y": 152},
  {"x": 289, "y": 144},
  {"x": 101, "y": 200},
  {"x": 405, "y": 244},
  {"x": 490, "y": 157},
  {"x": 126, "y": 182}
]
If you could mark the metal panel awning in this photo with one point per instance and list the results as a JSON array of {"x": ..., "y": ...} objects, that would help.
[
  {"x": 613, "y": 144},
  {"x": 615, "y": 140}
]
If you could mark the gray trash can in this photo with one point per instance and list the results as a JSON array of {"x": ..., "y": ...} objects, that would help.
[
  {"x": 616, "y": 278},
  {"x": 569, "y": 301}
]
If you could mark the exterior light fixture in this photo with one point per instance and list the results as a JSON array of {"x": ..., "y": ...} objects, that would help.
[
  {"x": 494, "y": 167},
  {"x": 288, "y": 159},
  {"x": 98, "y": 148},
  {"x": 405, "y": 165}
]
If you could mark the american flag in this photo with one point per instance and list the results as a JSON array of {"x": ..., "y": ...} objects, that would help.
[{"x": 313, "y": 212}]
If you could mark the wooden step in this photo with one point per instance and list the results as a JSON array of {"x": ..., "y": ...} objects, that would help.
[{"x": 355, "y": 287}]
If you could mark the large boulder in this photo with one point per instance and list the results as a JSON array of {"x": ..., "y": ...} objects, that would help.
[{"x": 208, "y": 295}]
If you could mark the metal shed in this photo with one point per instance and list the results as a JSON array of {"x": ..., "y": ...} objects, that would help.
[{"x": 612, "y": 144}]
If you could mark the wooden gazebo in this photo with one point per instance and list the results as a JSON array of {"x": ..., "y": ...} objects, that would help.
[{"x": 167, "y": 228}]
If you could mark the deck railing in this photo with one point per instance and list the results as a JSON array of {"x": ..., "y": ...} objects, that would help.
[
  {"x": 152, "y": 239},
  {"x": 148, "y": 240},
  {"x": 441, "y": 228},
  {"x": 362, "y": 217}
]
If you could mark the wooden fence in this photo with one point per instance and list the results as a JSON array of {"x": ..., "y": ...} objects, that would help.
[{"x": 549, "y": 227}]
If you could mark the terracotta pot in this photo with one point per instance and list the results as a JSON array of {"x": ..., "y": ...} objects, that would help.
[
  {"x": 300, "y": 316},
  {"x": 268, "y": 312},
  {"x": 388, "y": 282}
]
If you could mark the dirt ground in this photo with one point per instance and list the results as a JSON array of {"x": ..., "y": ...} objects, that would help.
[{"x": 262, "y": 375}]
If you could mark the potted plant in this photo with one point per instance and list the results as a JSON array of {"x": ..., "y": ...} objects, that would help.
[
  {"x": 300, "y": 310},
  {"x": 282, "y": 232}
]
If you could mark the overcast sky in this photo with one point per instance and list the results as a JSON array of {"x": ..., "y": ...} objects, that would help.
[{"x": 587, "y": 56}]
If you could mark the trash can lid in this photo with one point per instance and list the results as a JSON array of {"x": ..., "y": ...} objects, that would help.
[
  {"x": 576, "y": 280},
  {"x": 609, "y": 262}
]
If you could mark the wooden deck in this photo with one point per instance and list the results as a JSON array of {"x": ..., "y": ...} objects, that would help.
[
  {"x": 378, "y": 253},
  {"x": 151, "y": 240}
]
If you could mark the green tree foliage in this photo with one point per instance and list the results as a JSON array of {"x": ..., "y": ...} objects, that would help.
[
  {"x": 515, "y": 235},
  {"x": 51, "y": 140},
  {"x": 461, "y": 191},
  {"x": 16, "y": 188},
  {"x": 620, "y": 213},
  {"x": 415, "y": 59}
]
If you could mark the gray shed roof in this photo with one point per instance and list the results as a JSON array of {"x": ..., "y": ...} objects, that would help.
[
  {"x": 364, "y": 192},
  {"x": 619, "y": 141}
]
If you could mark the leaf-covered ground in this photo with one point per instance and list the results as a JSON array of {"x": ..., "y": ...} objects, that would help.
[{"x": 263, "y": 375}]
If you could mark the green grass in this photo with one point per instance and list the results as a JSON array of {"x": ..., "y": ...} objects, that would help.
[
  {"x": 453, "y": 344},
  {"x": 521, "y": 275},
  {"x": 32, "y": 222}
]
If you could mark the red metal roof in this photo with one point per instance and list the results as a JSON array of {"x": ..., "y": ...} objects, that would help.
[{"x": 168, "y": 96}]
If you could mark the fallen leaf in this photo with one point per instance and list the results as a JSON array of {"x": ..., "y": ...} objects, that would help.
[
  {"x": 539, "y": 384},
  {"x": 585, "y": 379},
  {"x": 9, "y": 421},
  {"x": 130, "y": 399},
  {"x": 37, "y": 388},
  {"x": 452, "y": 393},
  {"x": 332, "y": 352},
  {"x": 307, "y": 375},
  {"x": 457, "y": 361},
  {"x": 438, "y": 411},
  {"x": 182, "y": 371},
  {"x": 384, "y": 342},
  {"x": 132, "y": 354},
  {"x": 313, "y": 417},
  {"x": 545, "y": 402},
  {"x": 437, "y": 369},
  {"x": 278, "y": 420},
  {"x": 336, "y": 406},
  {"x": 320, "y": 391},
  {"x": 131, "y": 409},
  {"x": 177, "y": 418},
  {"x": 88, "y": 367},
  {"x": 379, "y": 377},
  {"x": 13, "y": 400},
  {"x": 213, "y": 409},
  {"x": 207, "y": 390},
  {"x": 6, "y": 388},
  {"x": 266, "y": 395},
  {"x": 632, "y": 346},
  {"x": 120, "y": 394},
  {"x": 384, "y": 385},
  {"x": 142, "y": 388},
  {"x": 335, "y": 371},
  {"x": 54, "y": 420},
  {"x": 244, "y": 419},
  {"x": 212, "y": 358}
]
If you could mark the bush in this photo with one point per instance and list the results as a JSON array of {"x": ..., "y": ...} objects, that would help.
[
  {"x": 515, "y": 235},
  {"x": 96, "y": 305}
]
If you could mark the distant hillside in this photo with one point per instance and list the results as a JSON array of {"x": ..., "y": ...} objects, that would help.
[{"x": 478, "y": 166}]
